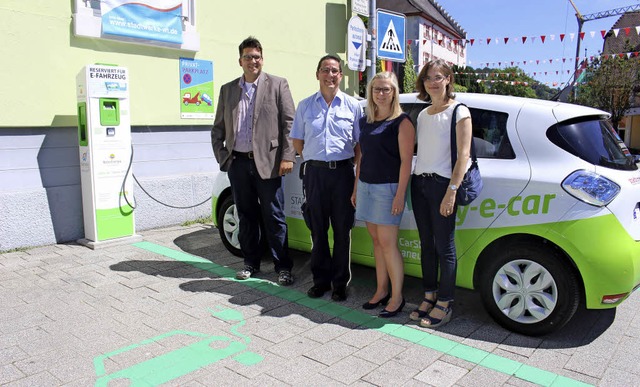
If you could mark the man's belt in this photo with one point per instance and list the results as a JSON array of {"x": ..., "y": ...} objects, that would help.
[
  {"x": 248, "y": 155},
  {"x": 331, "y": 164}
]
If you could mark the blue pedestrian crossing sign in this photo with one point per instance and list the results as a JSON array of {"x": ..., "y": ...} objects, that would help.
[{"x": 391, "y": 35}]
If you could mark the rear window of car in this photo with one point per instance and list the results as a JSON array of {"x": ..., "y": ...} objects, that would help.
[
  {"x": 593, "y": 140},
  {"x": 489, "y": 130}
]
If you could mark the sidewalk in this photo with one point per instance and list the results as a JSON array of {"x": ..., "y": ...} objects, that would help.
[{"x": 167, "y": 310}]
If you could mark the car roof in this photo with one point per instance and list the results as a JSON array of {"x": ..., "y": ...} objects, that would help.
[{"x": 562, "y": 111}]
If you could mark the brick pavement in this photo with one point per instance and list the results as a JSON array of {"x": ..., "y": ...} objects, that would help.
[{"x": 168, "y": 311}]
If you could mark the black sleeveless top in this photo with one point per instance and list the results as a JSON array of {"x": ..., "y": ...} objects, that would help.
[{"x": 380, "y": 163}]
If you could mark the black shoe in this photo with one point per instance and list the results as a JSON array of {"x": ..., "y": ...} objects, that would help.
[
  {"x": 317, "y": 291},
  {"x": 285, "y": 278},
  {"x": 391, "y": 313},
  {"x": 339, "y": 293},
  {"x": 372, "y": 305}
]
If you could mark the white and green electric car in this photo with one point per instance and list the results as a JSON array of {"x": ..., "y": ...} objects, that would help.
[{"x": 557, "y": 224}]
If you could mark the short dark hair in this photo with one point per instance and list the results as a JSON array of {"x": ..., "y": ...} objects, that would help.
[
  {"x": 441, "y": 66},
  {"x": 250, "y": 42},
  {"x": 330, "y": 56}
]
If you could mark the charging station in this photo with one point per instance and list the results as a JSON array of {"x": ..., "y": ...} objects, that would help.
[{"x": 104, "y": 138}]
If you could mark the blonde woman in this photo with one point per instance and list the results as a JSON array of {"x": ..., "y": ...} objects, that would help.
[{"x": 386, "y": 140}]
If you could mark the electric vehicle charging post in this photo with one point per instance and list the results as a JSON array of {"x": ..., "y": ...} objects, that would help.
[{"x": 104, "y": 138}]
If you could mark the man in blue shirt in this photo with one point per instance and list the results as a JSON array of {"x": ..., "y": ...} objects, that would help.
[{"x": 323, "y": 133}]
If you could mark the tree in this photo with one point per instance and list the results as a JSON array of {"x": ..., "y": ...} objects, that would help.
[
  {"x": 609, "y": 84},
  {"x": 410, "y": 76},
  {"x": 467, "y": 79},
  {"x": 511, "y": 81},
  {"x": 543, "y": 91}
]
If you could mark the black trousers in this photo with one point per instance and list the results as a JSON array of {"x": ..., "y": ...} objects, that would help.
[
  {"x": 328, "y": 196},
  {"x": 437, "y": 235},
  {"x": 257, "y": 198}
]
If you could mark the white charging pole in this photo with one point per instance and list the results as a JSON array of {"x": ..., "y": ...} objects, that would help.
[{"x": 104, "y": 139}]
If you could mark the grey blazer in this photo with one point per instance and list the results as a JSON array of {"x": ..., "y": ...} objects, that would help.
[{"x": 272, "y": 119}]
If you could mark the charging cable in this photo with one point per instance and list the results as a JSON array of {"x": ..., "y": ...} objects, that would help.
[{"x": 123, "y": 192}]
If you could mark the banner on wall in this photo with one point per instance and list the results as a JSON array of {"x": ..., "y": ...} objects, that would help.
[
  {"x": 143, "y": 19},
  {"x": 196, "y": 88}
]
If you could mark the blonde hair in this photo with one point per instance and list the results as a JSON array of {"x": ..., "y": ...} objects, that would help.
[{"x": 396, "y": 110}]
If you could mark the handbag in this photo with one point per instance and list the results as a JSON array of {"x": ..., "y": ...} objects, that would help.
[{"x": 471, "y": 184}]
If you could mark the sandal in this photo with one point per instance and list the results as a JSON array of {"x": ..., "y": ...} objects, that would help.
[
  {"x": 430, "y": 322},
  {"x": 418, "y": 314}
]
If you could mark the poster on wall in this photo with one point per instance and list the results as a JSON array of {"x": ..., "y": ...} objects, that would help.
[
  {"x": 196, "y": 88},
  {"x": 143, "y": 19}
]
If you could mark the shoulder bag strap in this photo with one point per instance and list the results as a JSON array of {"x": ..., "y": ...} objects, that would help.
[{"x": 454, "y": 145}]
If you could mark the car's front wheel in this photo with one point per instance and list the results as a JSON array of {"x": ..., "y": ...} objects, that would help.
[
  {"x": 229, "y": 226},
  {"x": 529, "y": 289}
]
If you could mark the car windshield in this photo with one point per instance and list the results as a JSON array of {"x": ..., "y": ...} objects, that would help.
[{"x": 594, "y": 141}]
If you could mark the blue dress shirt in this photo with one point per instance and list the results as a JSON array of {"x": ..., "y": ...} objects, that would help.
[{"x": 329, "y": 131}]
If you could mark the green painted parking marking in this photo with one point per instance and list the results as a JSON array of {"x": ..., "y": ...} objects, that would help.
[
  {"x": 182, "y": 361},
  {"x": 410, "y": 334}
]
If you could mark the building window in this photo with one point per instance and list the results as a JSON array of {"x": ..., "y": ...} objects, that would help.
[
  {"x": 87, "y": 22},
  {"x": 426, "y": 32}
]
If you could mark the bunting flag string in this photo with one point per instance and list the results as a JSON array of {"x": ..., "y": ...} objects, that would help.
[
  {"x": 570, "y": 60},
  {"x": 543, "y": 39},
  {"x": 627, "y": 31},
  {"x": 554, "y": 72},
  {"x": 522, "y": 83},
  {"x": 559, "y": 85},
  {"x": 507, "y": 75},
  {"x": 555, "y": 84}
]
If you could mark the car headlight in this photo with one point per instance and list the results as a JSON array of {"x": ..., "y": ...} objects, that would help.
[{"x": 591, "y": 188}]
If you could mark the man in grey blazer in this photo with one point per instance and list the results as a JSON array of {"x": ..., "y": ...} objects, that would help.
[{"x": 250, "y": 139}]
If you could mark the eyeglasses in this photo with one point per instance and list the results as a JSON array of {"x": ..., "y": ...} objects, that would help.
[
  {"x": 383, "y": 90},
  {"x": 249, "y": 57},
  {"x": 332, "y": 70},
  {"x": 437, "y": 78}
]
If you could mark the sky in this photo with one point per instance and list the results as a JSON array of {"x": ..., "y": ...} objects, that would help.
[{"x": 495, "y": 20}]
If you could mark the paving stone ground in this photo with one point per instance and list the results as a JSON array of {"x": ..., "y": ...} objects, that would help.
[{"x": 168, "y": 311}]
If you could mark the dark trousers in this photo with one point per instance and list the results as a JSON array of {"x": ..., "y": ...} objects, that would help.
[
  {"x": 257, "y": 198},
  {"x": 328, "y": 196},
  {"x": 438, "y": 249}
]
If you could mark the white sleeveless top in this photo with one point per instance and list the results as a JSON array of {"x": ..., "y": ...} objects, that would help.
[{"x": 434, "y": 140}]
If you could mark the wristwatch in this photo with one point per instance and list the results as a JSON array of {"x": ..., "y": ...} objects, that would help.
[{"x": 453, "y": 187}]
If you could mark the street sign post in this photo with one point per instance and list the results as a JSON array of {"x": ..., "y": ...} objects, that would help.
[{"x": 391, "y": 35}]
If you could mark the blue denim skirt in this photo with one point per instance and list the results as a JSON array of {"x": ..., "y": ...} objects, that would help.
[{"x": 373, "y": 203}]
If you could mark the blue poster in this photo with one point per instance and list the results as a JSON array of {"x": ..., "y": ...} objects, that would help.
[{"x": 143, "y": 19}]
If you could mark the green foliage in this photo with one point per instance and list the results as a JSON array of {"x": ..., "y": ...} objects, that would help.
[
  {"x": 508, "y": 81},
  {"x": 460, "y": 89},
  {"x": 410, "y": 76},
  {"x": 608, "y": 84},
  {"x": 544, "y": 92},
  {"x": 467, "y": 78},
  {"x": 204, "y": 220},
  {"x": 511, "y": 81}
]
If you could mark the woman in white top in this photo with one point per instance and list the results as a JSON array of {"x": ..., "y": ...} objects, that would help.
[{"x": 433, "y": 189}]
